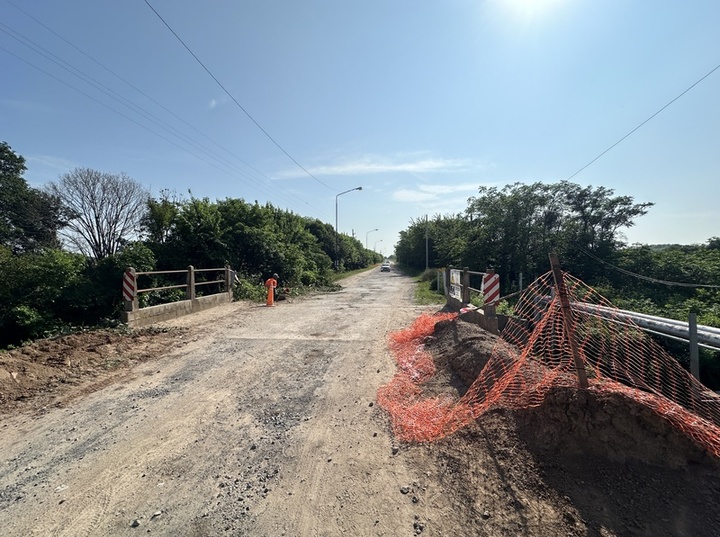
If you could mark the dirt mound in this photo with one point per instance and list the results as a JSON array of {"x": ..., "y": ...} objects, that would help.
[
  {"x": 606, "y": 463},
  {"x": 608, "y": 425},
  {"x": 462, "y": 349},
  {"x": 41, "y": 372}
]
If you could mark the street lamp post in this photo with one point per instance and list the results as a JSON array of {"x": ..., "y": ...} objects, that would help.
[
  {"x": 337, "y": 237},
  {"x": 375, "y": 245},
  {"x": 366, "y": 236}
]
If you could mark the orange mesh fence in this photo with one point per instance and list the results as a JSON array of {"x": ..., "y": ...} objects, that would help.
[{"x": 535, "y": 356}]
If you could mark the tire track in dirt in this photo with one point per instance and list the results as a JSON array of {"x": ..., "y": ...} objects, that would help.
[
  {"x": 230, "y": 433},
  {"x": 337, "y": 481}
]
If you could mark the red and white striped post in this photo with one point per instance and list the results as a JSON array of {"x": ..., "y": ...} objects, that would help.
[
  {"x": 129, "y": 290},
  {"x": 491, "y": 287}
]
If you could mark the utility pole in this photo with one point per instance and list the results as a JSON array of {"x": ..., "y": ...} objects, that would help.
[
  {"x": 426, "y": 243},
  {"x": 337, "y": 235}
]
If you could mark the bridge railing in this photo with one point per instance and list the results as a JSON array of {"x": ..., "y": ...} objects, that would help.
[
  {"x": 458, "y": 293},
  {"x": 134, "y": 315},
  {"x": 458, "y": 288}
]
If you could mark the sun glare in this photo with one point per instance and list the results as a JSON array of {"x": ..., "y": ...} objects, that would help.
[{"x": 530, "y": 9}]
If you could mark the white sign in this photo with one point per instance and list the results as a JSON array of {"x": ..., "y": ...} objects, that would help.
[
  {"x": 455, "y": 277},
  {"x": 456, "y": 291}
]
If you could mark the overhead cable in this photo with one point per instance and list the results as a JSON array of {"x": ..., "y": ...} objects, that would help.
[
  {"x": 141, "y": 92},
  {"x": 134, "y": 108},
  {"x": 233, "y": 98},
  {"x": 648, "y": 278},
  {"x": 648, "y": 119}
]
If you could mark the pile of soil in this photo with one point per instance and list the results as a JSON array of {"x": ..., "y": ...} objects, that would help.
[
  {"x": 583, "y": 463},
  {"x": 52, "y": 371},
  {"x": 611, "y": 465}
]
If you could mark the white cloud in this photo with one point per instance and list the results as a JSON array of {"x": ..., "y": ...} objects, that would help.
[
  {"x": 413, "y": 196},
  {"x": 52, "y": 163},
  {"x": 433, "y": 194},
  {"x": 437, "y": 198},
  {"x": 214, "y": 103},
  {"x": 374, "y": 164},
  {"x": 44, "y": 168},
  {"x": 449, "y": 188}
]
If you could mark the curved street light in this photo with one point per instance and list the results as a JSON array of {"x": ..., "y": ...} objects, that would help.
[
  {"x": 375, "y": 246},
  {"x": 337, "y": 237},
  {"x": 366, "y": 236}
]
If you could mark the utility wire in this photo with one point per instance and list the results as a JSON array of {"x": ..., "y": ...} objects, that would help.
[
  {"x": 233, "y": 98},
  {"x": 138, "y": 90},
  {"x": 88, "y": 96},
  {"x": 648, "y": 278},
  {"x": 643, "y": 123},
  {"x": 125, "y": 102},
  {"x": 133, "y": 107},
  {"x": 212, "y": 164}
]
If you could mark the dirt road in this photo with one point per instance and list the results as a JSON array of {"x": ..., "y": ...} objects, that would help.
[
  {"x": 248, "y": 420},
  {"x": 262, "y": 423}
]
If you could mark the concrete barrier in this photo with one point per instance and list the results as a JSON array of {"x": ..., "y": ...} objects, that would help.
[{"x": 164, "y": 312}]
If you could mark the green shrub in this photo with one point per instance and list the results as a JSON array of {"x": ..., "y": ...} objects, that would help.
[
  {"x": 249, "y": 289},
  {"x": 428, "y": 275}
]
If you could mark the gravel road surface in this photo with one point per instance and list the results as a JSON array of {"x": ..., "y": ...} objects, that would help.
[{"x": 261, "y": 422}]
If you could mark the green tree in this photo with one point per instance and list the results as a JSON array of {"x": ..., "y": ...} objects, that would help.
[
  {"x": 513, "y": 229},
  {"x": 29, "y": 218},
  {"x": 595, "y": 218},
  {"x": 33, "y": 292},
  {"x": 96, "y": 296},
  {"x": 160, "y": 218},
  {"x": 410, "y": 248},
  {"x": 198, "y": 233}
]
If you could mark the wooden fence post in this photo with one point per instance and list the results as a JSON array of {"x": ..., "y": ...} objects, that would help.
[
  {"x": 190, "y": 291},
  {"x": 466, "y": 285},
  {"x": 694, "y": 352},
  {"x": 567, "y": 319}
]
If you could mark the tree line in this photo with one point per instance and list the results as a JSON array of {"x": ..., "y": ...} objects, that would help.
[
  {"x": 64, "y": 247},
  {"x": 512, "y": 230}
]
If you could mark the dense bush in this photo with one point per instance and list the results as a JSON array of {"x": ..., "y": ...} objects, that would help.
[
  {"x": 44, "y": 289},
  {"x": 35, "y": 291}
]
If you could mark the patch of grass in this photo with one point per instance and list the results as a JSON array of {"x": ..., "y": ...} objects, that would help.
[
  {"x": 426, "y": 287},
  {"x": 340, "y": 275},
  {"x": 425, "y": 295}
]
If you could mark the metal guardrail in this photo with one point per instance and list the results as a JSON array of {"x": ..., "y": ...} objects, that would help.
[{"x": 707, "y": 336}]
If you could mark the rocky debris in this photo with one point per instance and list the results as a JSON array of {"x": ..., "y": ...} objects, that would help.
[{"x": 418, "y": 526}]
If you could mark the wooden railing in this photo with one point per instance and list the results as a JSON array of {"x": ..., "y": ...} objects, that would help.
[{"x": 134, "y": 315}]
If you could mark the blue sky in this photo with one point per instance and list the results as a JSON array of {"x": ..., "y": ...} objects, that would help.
[{"x": 419, "y": 102}]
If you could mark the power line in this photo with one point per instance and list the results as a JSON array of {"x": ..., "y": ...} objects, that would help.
[
  {"x": 233, "y": 98},
  {"x": 132, "y": 106},
  {"x": 648, "y": 278},
  {"x": 138, "y": 90},
  {"x": 87, "y": 95},
  {"x": 648, "y": 119},
  {"x": 128, "y": 118}
]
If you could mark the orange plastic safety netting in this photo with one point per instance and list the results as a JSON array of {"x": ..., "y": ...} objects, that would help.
[{"x": 535, "y": 355}]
